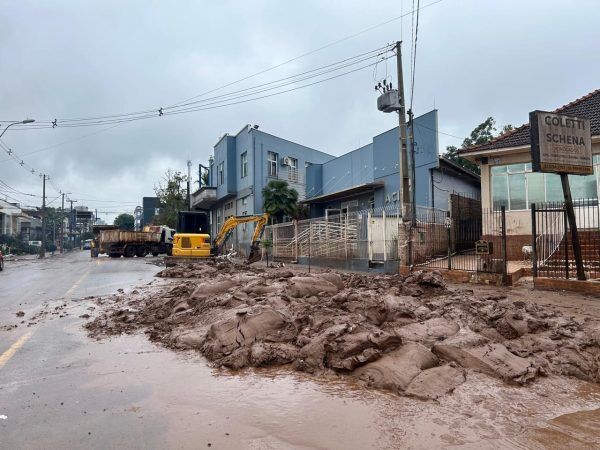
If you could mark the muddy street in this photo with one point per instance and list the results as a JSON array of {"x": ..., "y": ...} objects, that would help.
[{"x": 85, "y": 367}]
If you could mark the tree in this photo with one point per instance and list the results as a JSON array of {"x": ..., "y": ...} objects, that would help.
[
  {"x": 482, "y": 133},
  {"x": 172, "y": 196},
  {"x": 205, "y": 178},
  {"x": 125, "y": 222},
  {"x": 279, "y": 200}
]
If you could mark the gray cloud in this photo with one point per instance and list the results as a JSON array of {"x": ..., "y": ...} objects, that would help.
[{"x": 74, "y": 59}]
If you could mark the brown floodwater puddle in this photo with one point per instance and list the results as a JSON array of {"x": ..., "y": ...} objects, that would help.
[{"x": 181, "y": 402}]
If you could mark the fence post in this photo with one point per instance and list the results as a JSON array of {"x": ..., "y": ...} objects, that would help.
[
  {"x": 534, "y": 270},
  {"x": 369, "y": 237},
  {"x": 296, "y": 239},
  {"x": 345, "y": 228},
  {"x": 566, "y": 222},
  {"x": 309, "y": 242},
  {"x": 504, "y": 262},
  {"x": 449, "y": 234},
  {"x": 384, "y": 235}
]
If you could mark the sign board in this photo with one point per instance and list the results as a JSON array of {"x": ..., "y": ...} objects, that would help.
[
  {"x": 483, "y": 247},
  {"x": 560, "y": 143}
]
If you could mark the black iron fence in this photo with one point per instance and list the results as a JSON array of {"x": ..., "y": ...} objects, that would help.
[
  {"x": 553, "y": 253},
  {"x": 471, "y": 239}
]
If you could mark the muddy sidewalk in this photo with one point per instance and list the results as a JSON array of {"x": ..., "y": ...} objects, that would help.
[{"x": 411, "y": 335}]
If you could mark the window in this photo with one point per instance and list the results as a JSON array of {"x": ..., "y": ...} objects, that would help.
[
  {"x": 293, "y": 170},
  {"x": 245, "y": 200},
  {"x": 245, "y": 225},
  {"x": 221, "y": 173},
  {"x": 515, "y": 187},
  {"x": 219, "y": 221},
  {"x": 244, "y": 165},
  {"x": 272, "y": 159}
]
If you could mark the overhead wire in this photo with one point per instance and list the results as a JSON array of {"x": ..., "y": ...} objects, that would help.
[
  {"x": 149, "y": 113},
  {"x": 414, "y": 57},
  {"x": 228, "y": 98}
]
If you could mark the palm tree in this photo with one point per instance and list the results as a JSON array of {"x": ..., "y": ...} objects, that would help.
[{"x": 279, "y": 200}]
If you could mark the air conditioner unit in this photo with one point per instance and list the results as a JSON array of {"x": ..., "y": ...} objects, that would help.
[{"x": 286, "y": 161}]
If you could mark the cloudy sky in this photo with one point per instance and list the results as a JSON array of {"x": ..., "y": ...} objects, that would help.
[{"x": 74, "y": 59}]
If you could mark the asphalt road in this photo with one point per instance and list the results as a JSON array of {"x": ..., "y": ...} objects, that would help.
[{"x": 60, "y": 389}]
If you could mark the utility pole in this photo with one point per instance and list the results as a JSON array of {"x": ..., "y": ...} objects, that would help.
[
  {"x": 406, "y": 197},
  {"x": 413, "y": 188},
  {"x": 62, "y": 224},
  {"x": 403, "y": 161},
  {"x": 189, "y": 185},
  {"x": 71, "y": 223},
  {"x": 43, "y": 247}
]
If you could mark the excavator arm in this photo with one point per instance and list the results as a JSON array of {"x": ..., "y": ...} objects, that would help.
[{"x": 229, "y": 226}]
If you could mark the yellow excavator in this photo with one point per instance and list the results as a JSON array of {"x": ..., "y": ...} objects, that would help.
[{"x": 195, "y": 245}]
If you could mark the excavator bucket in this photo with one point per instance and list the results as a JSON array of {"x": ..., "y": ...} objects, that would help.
[{"x": 254, "y": 254}]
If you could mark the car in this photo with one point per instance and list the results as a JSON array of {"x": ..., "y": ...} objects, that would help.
[{"x": 87, "y": 244}]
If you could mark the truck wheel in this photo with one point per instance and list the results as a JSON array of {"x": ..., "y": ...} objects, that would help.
[
  {"x": 114, "y": 255},
  {"x": 169, "y": 251},
  {"x": 155, "y": 254},
  {"x": 141, "y": 252},
  {"x": 129, "y": 252}
]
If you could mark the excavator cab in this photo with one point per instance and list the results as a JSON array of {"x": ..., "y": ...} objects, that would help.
[{"x": 191, "y": 245}]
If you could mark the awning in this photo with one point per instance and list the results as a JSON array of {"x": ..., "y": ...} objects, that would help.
[{"x": 344, "y": 193}]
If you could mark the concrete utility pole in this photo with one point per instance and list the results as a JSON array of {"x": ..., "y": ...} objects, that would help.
[
  {"x": 62, "y": 224},
  {"x": 71, "y": 222},
  {"x": 189, "y": 185},
  {"x": 43, "y": 247},
  {"x": 413, "y": 181},
  {"x": 406, "y": 197},
  {"x": 403, "y": 161}
]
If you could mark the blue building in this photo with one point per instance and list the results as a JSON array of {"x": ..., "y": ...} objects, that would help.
[
  {"x": 242, "y": 166},
  {"x": 364, "y": 178},
  {"x": 368, "y": 177}
]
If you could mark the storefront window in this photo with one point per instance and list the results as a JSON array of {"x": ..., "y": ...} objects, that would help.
[
  {"x": 535, "y": 188},
  {"x": 516, "y": 187}
]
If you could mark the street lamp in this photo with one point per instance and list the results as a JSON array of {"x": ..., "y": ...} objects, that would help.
[{"x": 16, "y": 123}]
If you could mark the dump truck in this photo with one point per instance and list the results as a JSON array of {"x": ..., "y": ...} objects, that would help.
[{"x": 115, "y": 243}]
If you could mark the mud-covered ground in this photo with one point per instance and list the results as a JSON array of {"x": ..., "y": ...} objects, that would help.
[{"x": 410, "y": 335}]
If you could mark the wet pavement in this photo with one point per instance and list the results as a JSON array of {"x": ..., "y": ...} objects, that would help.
[{"x": 60, "y": 389}]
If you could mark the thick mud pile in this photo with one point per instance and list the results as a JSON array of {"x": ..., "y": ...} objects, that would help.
[{"x": 411, "y": 335}]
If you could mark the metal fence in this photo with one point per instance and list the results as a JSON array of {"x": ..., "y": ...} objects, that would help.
[
  {"x": 370, "y": 234},
  {"x": 553, "y": 254},
  {"x": 439, "y": 239},
  {"x": 448, "y": 239}
]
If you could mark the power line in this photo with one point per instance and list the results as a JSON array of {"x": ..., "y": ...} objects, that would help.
[
  {"x": 414, "y": 58},
  {"x": 30, "y": 169},
  {"x": 226, "y": 99},
  {"x": 331, "y": 44},
  {"x": 149, "y": 113},
  {"x": 50, "y": 147}
]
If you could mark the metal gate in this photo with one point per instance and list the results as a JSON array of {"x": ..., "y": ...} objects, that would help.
[
  {"x": 553, "y": 255},
  {"x": 465, "y": 238}
]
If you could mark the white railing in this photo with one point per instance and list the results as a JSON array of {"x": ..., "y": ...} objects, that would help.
[{"x": 371, "y": 234}]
